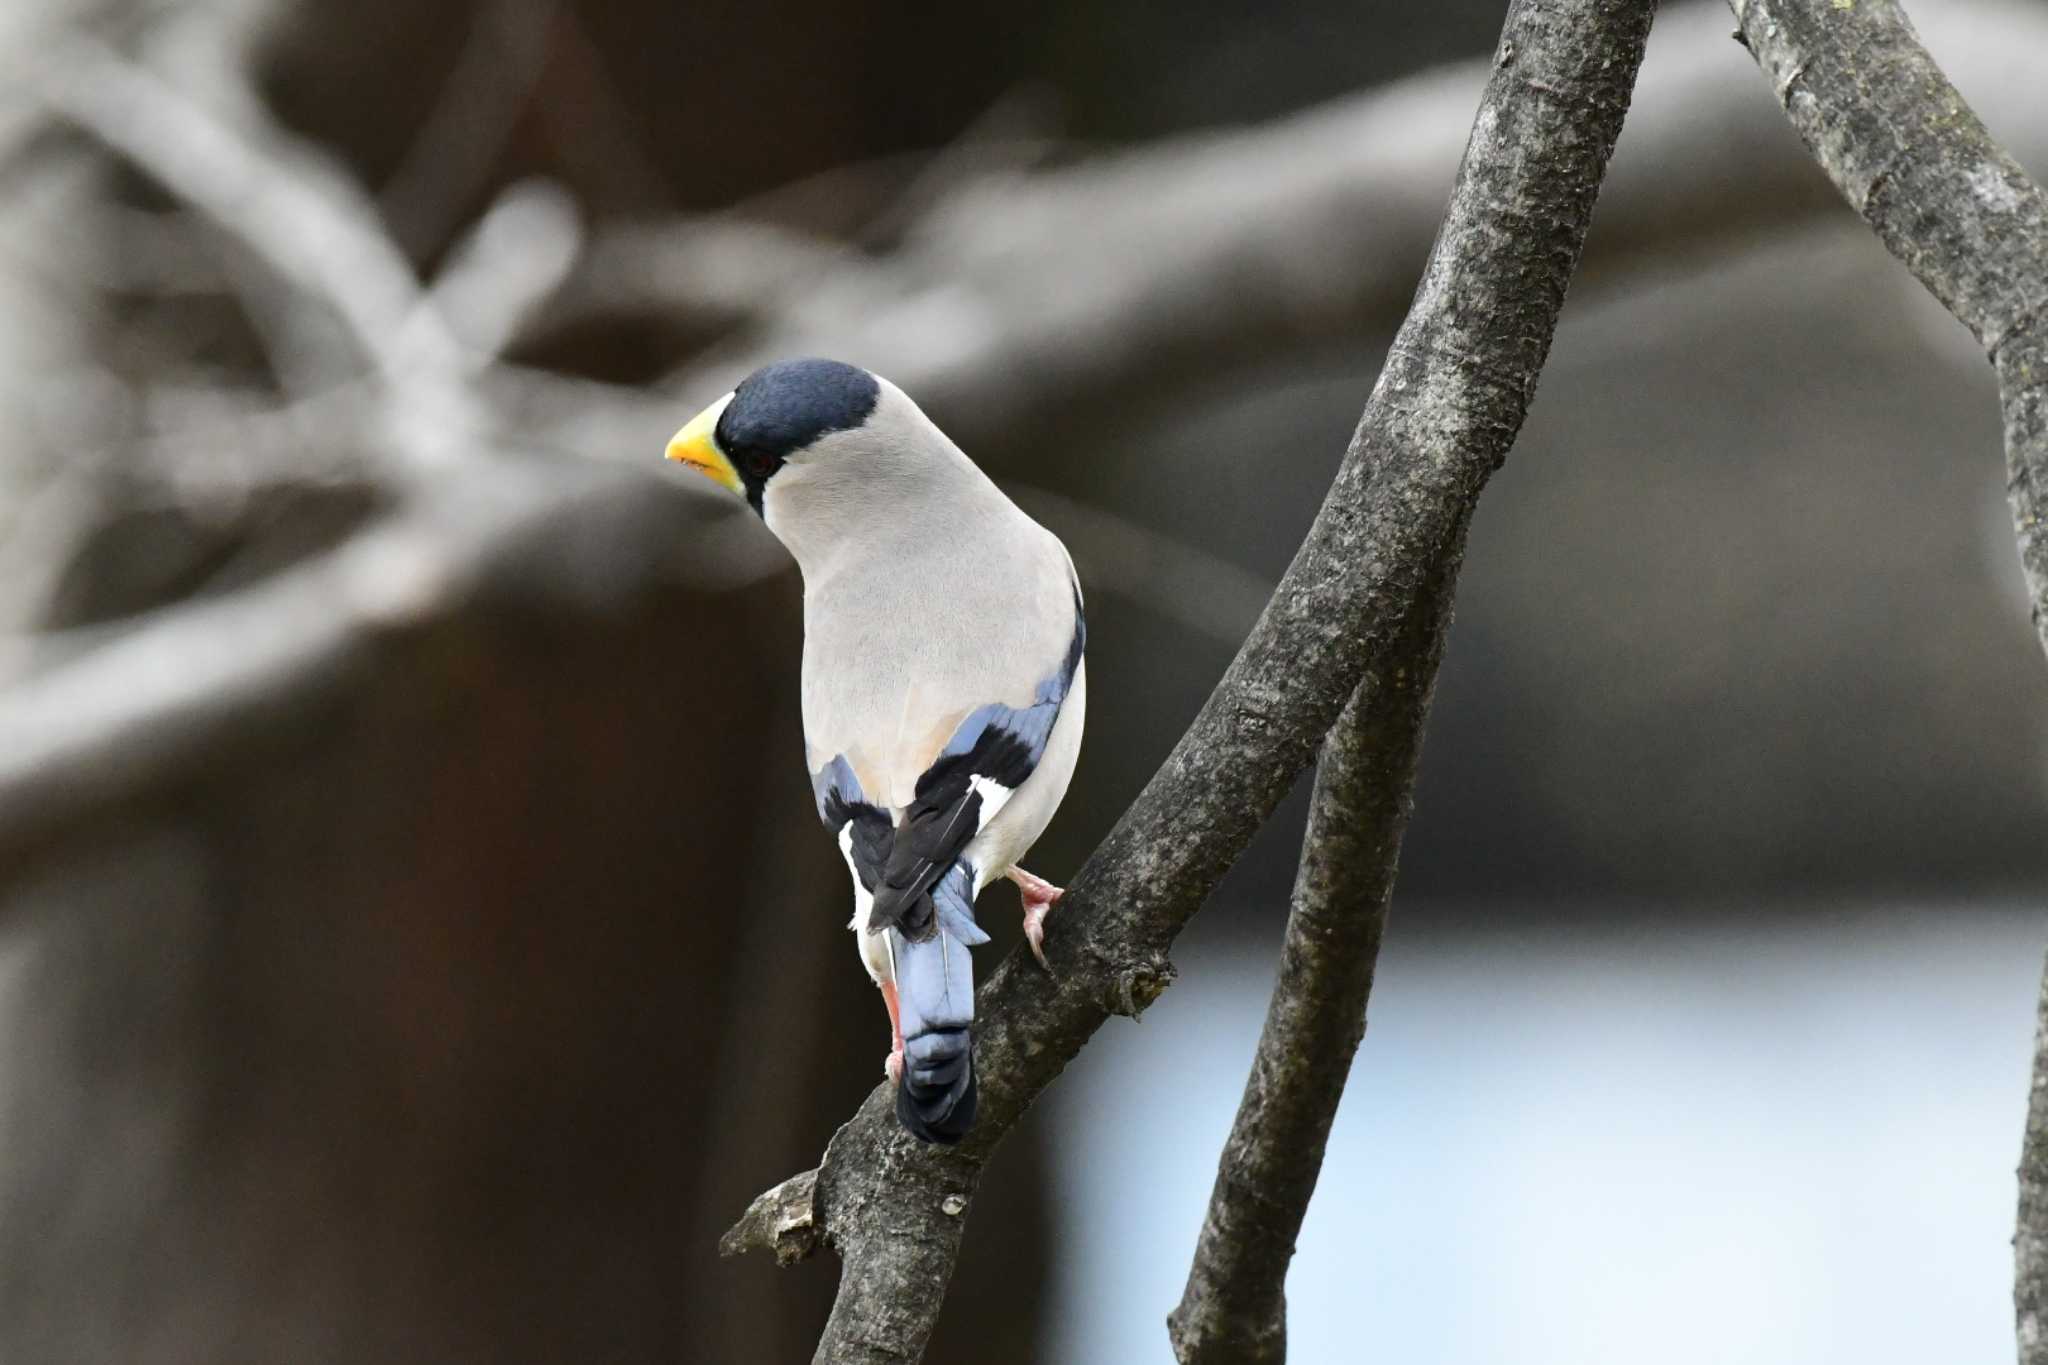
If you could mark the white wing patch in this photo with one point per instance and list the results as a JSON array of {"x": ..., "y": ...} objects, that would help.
[{"x": 994, "y": 796}]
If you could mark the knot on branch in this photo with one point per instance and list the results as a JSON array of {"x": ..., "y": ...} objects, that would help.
[
  {"x": 1215, "y": 1331},
  {"x": 782, "y": 1220},
  {"x": 1136, "y": 985}
]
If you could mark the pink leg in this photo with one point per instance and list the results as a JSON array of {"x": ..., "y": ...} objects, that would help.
[
  {"x": 894, "y": 1066},
  {"x": 1039, "y": 896}
]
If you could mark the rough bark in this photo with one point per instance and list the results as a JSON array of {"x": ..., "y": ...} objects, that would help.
[
  {"x": 1906, "y": 151},
  {"x": 1234, "y": 1308},
  {"x": 1911, "y": 157},
  {"x": 1456, "y": 386}
]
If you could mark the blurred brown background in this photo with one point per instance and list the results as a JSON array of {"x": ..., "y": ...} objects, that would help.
[{"x": 416, "y": 940}]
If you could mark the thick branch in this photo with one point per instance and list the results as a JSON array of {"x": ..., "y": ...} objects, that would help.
[
  {"x": 1448, "y": 404},
  {"x": 1909, "y": 155},
  {"x": 1234, "y": 1308}
]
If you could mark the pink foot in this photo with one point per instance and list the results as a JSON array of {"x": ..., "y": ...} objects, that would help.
[
  {"x": 1040, "y": 896},
  {"x": 892, "y": 1066}
]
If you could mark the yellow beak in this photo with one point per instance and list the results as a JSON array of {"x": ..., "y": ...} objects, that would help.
[{"x": 694, "y": 446}]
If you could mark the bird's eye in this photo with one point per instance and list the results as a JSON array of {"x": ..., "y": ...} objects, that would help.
[{"x": 758, "y": 463}]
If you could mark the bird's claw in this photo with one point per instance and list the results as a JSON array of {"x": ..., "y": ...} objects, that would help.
[
  {"x": 1039, "y": 896},
  {"x": 1034, "y": 931}
]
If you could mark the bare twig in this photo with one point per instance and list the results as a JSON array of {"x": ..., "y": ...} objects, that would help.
[
  {"x": 782, "y": 1219},
  {"x": 711, "y": 268},
  {"x": 1911, "y": 157},
  {"x": 2030, "y": 1242},
  {"x": 451, "y": 157},
  {"x": 305, "y": 219},
  {"x": 1234, "y": 1311},
  {"x": 1442, "y": 417},
  {"x": 505, "y": 269},
  {"x": 302, "y": 217},
  {"x": 1009, "y": 137}
]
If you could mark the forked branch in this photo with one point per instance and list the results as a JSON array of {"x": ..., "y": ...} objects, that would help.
[{"x": 1449, "y": 402}]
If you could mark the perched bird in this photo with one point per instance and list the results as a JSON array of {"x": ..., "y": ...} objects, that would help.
[{"x": 943, "y": 684}]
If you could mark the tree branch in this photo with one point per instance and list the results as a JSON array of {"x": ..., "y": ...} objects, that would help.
[
  {"x": 1234, "y": 1308},
  {"x": 450, "y": 159},
  {"x": 305, "y": 220},
  {"x": 1910, "y": 156},
  {"x": 2030, "y": 1242},
  {"x": 278, "y": 196},
  {"x": 1441, "y": 419}
]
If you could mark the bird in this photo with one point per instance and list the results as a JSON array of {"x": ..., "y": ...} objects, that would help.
[{"x": 944, "y": 685}]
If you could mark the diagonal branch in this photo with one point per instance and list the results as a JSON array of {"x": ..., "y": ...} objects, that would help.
[
  {"x": 2030, "y": 1243},
  {"x": 1911, "y": 157},
  {"x": 1446, "y": 409},
  {"x": 1234, "y": 1309}
]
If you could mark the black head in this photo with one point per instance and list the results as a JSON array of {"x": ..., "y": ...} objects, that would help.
[{"x": 783, "y": 408}]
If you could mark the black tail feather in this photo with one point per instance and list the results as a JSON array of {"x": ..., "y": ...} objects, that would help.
[{"x": 936, "y": 1100}]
